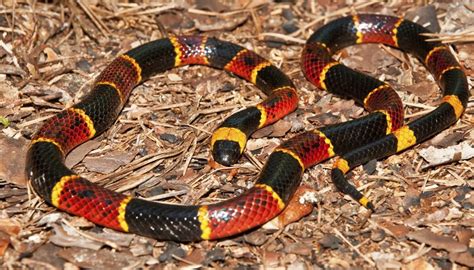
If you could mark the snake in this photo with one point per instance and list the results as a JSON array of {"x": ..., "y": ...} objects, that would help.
[{"x": 378, "y": 134}]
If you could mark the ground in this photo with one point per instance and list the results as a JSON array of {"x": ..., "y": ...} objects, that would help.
[{"x": 51, "y": 52}]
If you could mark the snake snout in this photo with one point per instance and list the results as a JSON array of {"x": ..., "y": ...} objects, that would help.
[{"x": 226, "y": 152}]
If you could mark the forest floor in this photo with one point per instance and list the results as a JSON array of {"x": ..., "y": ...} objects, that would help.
[{"x": 51, "y": 53}]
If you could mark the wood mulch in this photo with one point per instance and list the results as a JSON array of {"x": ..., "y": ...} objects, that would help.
[{"x": 51, "y": 52}]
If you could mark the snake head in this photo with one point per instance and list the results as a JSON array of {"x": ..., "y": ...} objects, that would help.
[{"x": 226, "y": 152}]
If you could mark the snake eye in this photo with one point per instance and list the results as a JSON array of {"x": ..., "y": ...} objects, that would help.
[{"x": 226, "y": 152}]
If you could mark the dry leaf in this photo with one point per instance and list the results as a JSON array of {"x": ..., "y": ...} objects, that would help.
[
  {"x": 280, "y": 128},
  {"x": 102, "y": 259},
  {"x": 418, "y": 264},
  {"x": 435, "y": 156},
  {"x": 76, "y": 155},
  {"x": 464, "y": 258},
  {"x": 397, "y": 230},
  {"x": 12, "y": 170},
  {"x": 211, "y": 5},
  {"x": 437, "y": 241},
  {"x": 108, "y": 162},
  {"x": 10, "y": 226},
  {"x": 66, "y": 236}
]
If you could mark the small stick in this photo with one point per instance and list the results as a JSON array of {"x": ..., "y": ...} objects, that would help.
[
  {"x": 367, "y": 259},
  {"x": 91, "y": 237},
  {"x": 167, "y": 195}
]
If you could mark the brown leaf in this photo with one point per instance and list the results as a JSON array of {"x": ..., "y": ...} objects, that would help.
[
  {"x": 271, "y": 258},
  {"x": 11, "y": 70},
  {"x": 422, "y": 89},
  {"x": 447, "y": 138},
  {"x": 4, "y": 242},
  {"x": 437, "y": 241},
  {"x": 468, "y": 222},
  {"x": 51, "y": 55},
  {"x": 426, "y": 16},
  {"x": 464, "y": 258},
  {"x": 76, "y": 155},
  {"x": 197, "y": 256},
  {"x": 263, "y": 132},
  {"x": 256, "y": 238},
  {"x": 65, "y": 236},
  {"x": 412, "y": 198},
  {"x": 418, "y": 264},
  {"x": 10, "y": 226},
  {"x": 298, "y": 248},
  {"x": 437, "y": 216},
  {"x": 13, "y": 169},
  {"x": 368, "y": 58},
  {"x": 397, "y": 230},
  {"x": 108, "y": 162},
  {"x": 101, "y": 259},
  {"x": 47, "y": 254},
  {"x": 211, "y": 5},
  {"x": 229, "y": 24},
  {"x": 464, "y": 235},
  {"x": 280, "y": 128},
  {"x": 435, "y": 156}
]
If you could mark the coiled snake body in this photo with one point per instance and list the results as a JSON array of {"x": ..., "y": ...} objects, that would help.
[{"x": 376, "y": 135}]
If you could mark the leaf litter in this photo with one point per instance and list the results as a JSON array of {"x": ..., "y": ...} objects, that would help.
[{"x": 159, "y": 146}]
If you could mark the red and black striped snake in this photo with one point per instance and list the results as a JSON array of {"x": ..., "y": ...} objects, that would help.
[{"x": 379, "y": 134}]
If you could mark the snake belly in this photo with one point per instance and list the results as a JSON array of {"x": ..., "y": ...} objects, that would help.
[{"x": 283, "y": 171}]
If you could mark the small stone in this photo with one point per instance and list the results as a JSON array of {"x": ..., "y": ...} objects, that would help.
[
  {"x": 227, "y": 87},
  {"x": 171, "y": 249},
  {"x": 142, "y": 151},
  {"x": 84, "y": 65},
  {"x": 256, "y": 238},
  {"x": 468, "y": 205},
  {"x": 370, "y": 166},
  {"x": 158, "y": 190},
  {"x": 186, "y": 24},
  {"x": 426, "y": 16},
  {"x": 297, "y": 265},
  {"x": 330, "y": 241},
  {"x": 216, "y": 254},
  {"x": 461, "y": 193},
  {"x": 288, "y": 14},
  {"x": 197, "y": 256},
  {"x": 158, "y": 168},
  {"x": 290, "y": 27},
  {"x": 174, "y": 77},
  {"x": 298, "y": 249},
  {"x": 412, "y": 198},
  {"x": 141, "y": 249},
  {"x": 443, "y": 263},
  {"x": 426, "y": 194},
  {"x": 377, "y": 235},
  {"x": 256, "y": 151},
  {"x": 169, "y": 137},
  {"x": 274, "y": 44}
]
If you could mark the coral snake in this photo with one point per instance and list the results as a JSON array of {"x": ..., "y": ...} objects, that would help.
[{"x": 379, "y": 134}]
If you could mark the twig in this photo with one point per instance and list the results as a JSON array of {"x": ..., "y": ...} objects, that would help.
[
  {"x": 100, "y": 25},
  {"x": 333, "y": 14},
  {"x": 367, "y": 259},
  {"x": 167, "y": 195},
  {"x": 91, "y": 237},
  {"x": 5, "y": 29},
  {"x": 282, "y": 37}
]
